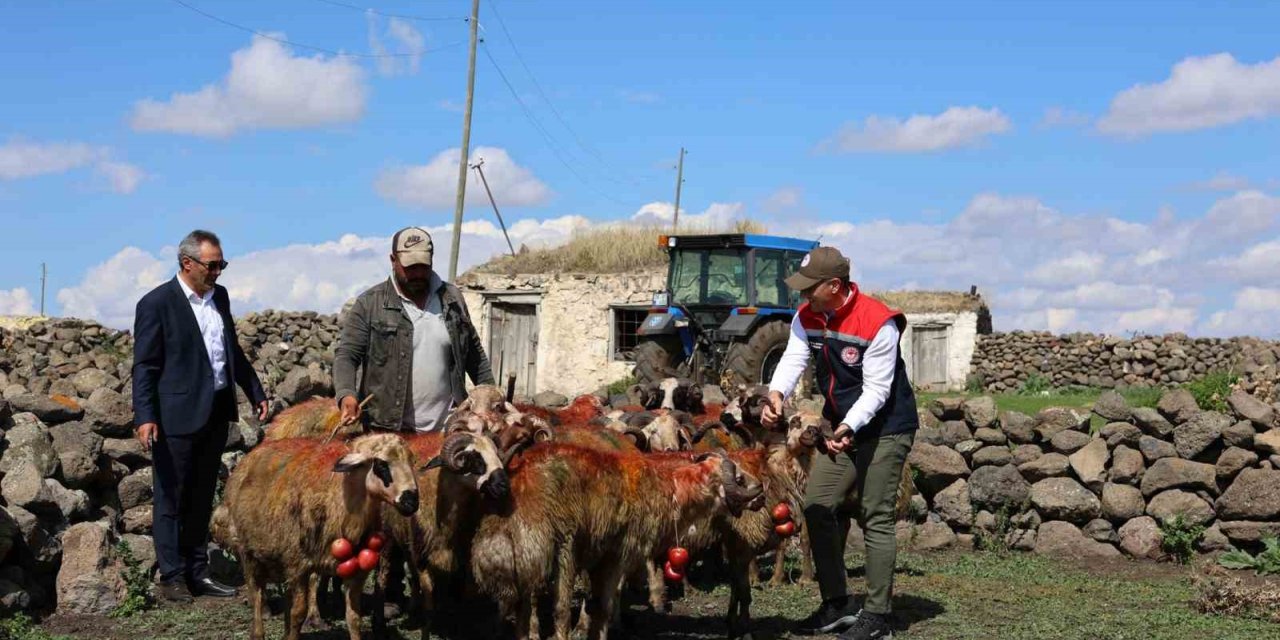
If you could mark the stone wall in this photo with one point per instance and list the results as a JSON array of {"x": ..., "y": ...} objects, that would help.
[
  {"x": 1004, "y": 361},
  {"x": 1048, "y": 484},
  {"x": 574, "y": 321},
  {"x": 73, "y": 480}
]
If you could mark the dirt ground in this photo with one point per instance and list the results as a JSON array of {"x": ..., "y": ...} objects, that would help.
[{"x": 938, "y": 595}]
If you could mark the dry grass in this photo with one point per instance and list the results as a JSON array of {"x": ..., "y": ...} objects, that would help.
[
  {"x": 612, "y": 249},
  {"x": 20, "y": 323},
  {"x": 1220, "y": 592},
  {"x": 929, "y": 301}
]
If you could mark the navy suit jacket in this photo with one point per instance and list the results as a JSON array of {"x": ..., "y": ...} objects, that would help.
[{"x": 172, "y": 379}]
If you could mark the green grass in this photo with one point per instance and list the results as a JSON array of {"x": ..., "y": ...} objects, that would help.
[{"x": 938, "y": 596}]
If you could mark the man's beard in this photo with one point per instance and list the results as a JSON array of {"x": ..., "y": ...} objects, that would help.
[{"x": 413, "y": 287}]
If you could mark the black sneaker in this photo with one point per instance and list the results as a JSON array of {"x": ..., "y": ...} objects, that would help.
[
  {"x": 831, "y": 617},
  {"x": 869, "y": 626}
]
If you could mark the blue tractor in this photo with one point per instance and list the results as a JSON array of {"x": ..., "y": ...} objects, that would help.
[{"x": 725, "y": 315}]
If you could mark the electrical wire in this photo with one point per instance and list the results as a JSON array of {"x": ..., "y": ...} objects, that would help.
[
  {"x": 404, "y": 16},
  {"x": 556, "y": 112},
  {"x": 301, "y": 45},
  {"x": 546, "y": 136}
]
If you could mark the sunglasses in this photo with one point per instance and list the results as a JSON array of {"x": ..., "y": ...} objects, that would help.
[{"x": 219, "y": 265}]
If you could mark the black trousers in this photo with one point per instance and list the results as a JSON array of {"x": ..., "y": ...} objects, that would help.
[{"x": 184, "y": 479}]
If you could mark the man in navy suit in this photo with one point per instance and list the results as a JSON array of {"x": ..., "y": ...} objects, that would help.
[{"x": 186, "y": 363}]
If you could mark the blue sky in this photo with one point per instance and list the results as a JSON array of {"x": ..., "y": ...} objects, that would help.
[{"x": 1094, "y": 166}]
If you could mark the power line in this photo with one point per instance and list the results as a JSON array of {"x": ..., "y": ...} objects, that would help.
[
  {"x": 545, "y": 98},
  {"x": 386, "y": 14},
  {"x": 308, "y": 46},
  {"x": 546, "y": 136}
]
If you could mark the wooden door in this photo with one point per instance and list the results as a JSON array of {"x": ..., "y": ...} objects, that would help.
[
  {"x": 929, "y": 357},
  {"x": 513, "y": 345}
]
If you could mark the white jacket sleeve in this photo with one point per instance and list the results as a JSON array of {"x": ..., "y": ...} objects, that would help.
[
  {"x": 878, "y": 365},
  {"x": 794, "y": 359}
]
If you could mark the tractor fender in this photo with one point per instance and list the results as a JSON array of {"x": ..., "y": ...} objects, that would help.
[
  {"x": 657, "y": 324},
  {"x": 741, "y": 325}
]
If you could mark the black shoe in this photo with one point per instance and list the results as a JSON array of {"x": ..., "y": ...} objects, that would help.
[
  {"x": 174, "y": 591},
  {"x": 211, "y": 587},
  {"x": 831, "y": 617},
  {"x": 869, "y": 626}
]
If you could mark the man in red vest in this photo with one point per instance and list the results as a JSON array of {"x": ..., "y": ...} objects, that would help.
[{"x": 853, "y": 339}]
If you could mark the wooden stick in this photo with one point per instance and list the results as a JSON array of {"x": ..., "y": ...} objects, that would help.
[{"x": 340, "y": 422}]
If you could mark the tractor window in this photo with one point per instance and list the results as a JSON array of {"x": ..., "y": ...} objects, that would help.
[
  {"x": 770, "y": 292},
  {"x": 709, "y": 277},
  {"x": 793, "y": 265}
]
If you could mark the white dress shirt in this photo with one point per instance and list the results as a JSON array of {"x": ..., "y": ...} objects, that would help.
[
  {"x": 211, "y": 330},
  {"x": 878, "y": 364}
]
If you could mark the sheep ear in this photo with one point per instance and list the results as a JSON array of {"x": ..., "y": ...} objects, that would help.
[
  {"x": 433, "y": 463},
  {"x": 349, "y": 462}
]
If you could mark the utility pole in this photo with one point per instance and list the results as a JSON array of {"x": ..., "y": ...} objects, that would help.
[
  {"x": 675, "y": 219},
  {"x": 479, "y": 167},
  {"x": 466, "y": 144},
  {"x": 44, "y": 275}
]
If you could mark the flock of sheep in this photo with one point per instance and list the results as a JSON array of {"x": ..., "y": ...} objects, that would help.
[{"x": 519, "y": 504}]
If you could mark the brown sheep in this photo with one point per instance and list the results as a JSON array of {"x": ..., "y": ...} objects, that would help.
[
  {"x": 576, "y": 509},
  {"x": 313, "y": 418},
  {"x": 285, "y": 506}
]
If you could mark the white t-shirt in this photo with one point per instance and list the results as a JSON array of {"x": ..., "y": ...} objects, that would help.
[{"x": 430, "y": 390}]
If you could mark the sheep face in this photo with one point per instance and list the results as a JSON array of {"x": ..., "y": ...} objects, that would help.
[
  {"x": 476, "y": 459},
  {"x": 665, "y": 433},
  {"x": 521, "y": 432},
  {"x": 804, "y": 429},
  {"x": 738, "y": 490},
  {"x": 487, "y": 401},
  {"x": 387, "y": 468},
  {"x": 747, "y": 407}
]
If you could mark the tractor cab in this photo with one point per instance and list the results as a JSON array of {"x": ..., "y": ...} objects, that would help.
[{"x": 725, "y": 312}]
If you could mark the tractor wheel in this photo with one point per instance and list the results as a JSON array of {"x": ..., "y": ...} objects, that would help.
[
  {"x": 658, "y": 358},
  {"x": 753, "y": 360}
]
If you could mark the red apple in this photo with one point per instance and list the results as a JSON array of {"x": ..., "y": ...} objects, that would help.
[
  {"x": 348, "y": 568},
  {"x": 781, "y": 513},
  {"x": 678, "y": 557},
  {"x": 341, "y": 549},
  {"x": 786, "y": 529},
  {"x": 376, "y": 540},
  {"x": 368, "y": 559},
  {"x": 671, "y": 574}
]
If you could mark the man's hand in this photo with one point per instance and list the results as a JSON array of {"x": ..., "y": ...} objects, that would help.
[
  {"x": 146, "y": 434},
  {"x": 263, "y": 409},
  {"x": 350, "y": 410},
  {"x": 843, "y": 439},
  {"x": 772, "y": 411}
]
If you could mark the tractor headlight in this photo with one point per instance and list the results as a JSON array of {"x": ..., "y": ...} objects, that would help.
[
  {"x": 660, "y": 299},
  {"x": 671, "y": 242}
]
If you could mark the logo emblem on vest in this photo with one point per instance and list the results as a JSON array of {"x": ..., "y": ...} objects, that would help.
[{"x": 850, "y": 355}]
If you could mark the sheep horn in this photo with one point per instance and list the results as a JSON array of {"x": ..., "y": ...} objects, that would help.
[
  {"x": 453, "y": 449},
  {"x": 640, "y": 437}
]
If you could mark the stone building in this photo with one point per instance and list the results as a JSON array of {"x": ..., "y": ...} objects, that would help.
[{"x": 574, "y": 332}]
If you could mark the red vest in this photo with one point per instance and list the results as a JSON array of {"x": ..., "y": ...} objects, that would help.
[{"x": 838, "y": 344}]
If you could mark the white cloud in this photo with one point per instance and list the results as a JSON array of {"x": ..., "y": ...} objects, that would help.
[
  {"x": 1077, "y": 267},
  {"x": 434, "y": 185},
  {"x": 16, "y": 302},
  {"x": 783, "y": 200},
  {"x": 719, "y": 215},
  {"x": 955, "y": 127},
  {"x": 1222, "y": 181},
  {"x": 407, "y": 40},
  {"x": 1062, "y": 117},
  {"x": 109, "y": 291},
  {"x": 22, "y": 159},
  {"x": 1200, "y": 92},
  {"x": 1243, "y": 215},
  {"x": 1253, "y": 314},
  {"x": 123, "y": 177},
  {"x": 1038, "y": 267},
  {"x": 267, "y": 88}
]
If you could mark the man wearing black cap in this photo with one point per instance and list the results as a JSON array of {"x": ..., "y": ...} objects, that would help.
[
  {"x": 413, "y": 336},
  {"x": 853, "y": 339}
]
